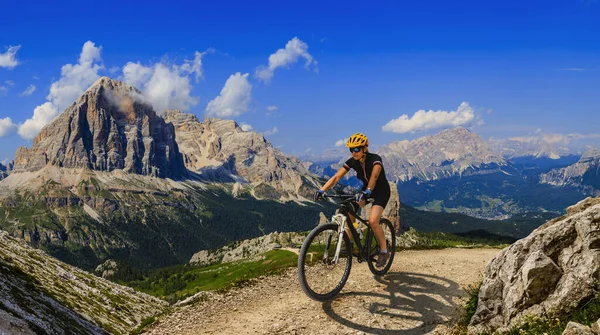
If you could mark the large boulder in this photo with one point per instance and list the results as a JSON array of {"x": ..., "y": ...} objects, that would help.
[{"x": 555, "y": 268}]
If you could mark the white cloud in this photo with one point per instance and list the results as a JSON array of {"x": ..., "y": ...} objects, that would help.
[
  {"x": 28, "y": 91},
  {"x": 10, "y": 83},
  {"x": 42, "y": 115},
  {"x": 425, "y": 120},
  {"x": 234, "y": 98},
  {"x": 272, "y": 108},
  {"x": 341, "y": 142},
  {"x": 75, "y": 79},
  {"x": 245, "y": 127},
  {"x": 3, "y": 90},
  {"x": 293, "y": 50},
  {"x": 166, "y": 86},
  {"x": 195, "y": 66},
  {"x": 6, "y": 126},
  {"x": 271, "y": 132},
  {"x": 8, "y": 59}
]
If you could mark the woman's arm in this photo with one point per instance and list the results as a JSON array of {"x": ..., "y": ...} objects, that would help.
[
  {"x": 335, "y": 179},
  {"x": 374, "y": 175}
]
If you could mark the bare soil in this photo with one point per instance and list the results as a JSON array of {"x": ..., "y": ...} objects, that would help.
[{"x": 421, "y": 294}]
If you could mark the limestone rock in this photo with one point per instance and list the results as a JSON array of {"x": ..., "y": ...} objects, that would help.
[
  {"x": 596, "y": 326},
  {"x": 47, "y": 296},
  {"x": 219, "y": 150},
  {"x": 109, "y": 127},
  {"x": 584, "y": 175},
  {"x": 107, "y": 269},
  {"x": 452, "y": 152},
  {"x": 3, "y": 171},
  {"x": 574, "y": 328},
  {"x": 391, "y": 210},
  {"x": 555, "y": 268}
]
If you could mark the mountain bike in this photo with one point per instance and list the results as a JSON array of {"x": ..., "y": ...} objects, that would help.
[{"x": 325, "y": 258}]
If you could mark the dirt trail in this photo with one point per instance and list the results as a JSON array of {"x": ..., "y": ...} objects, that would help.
[{"x": 419, "y": 295}]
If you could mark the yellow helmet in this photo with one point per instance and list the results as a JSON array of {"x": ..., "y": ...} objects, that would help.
[{"x": 357, "y": 140}]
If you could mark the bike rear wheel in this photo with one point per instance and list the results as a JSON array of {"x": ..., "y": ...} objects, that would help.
[
  {"x": 373, "y": 247},
  {"x": 320, "y": 277}
]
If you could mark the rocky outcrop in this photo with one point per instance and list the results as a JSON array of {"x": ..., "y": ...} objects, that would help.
[
  {"x": 585, "y": 174},
  {"x": 248, "y": 248},
  {"x": 39, "y": 294},
  {"x": 555, "y": 268},
  {"x": 108, "y": 269},
  {"x": 391, "y": 210},
  {"x": 109, "y": 127},
  {"x": 219, "y": 150},
  {"x": 452, "y": 152}
]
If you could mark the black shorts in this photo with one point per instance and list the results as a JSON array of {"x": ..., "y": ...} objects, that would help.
[{"x": 381, "y": 197}]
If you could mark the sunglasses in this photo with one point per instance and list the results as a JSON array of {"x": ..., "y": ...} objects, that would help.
[{"x": 357, "y": 149}]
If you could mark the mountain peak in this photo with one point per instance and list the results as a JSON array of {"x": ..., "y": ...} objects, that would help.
[{"x": 110, "y": 126}]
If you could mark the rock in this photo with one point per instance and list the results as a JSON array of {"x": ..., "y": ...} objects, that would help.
[
  {"x": 247, "y": 248},
  {"x": 219, "y": 150},
  {"x": 574, "y": 328},
  {"x": 39, "y": 292},
  {"x": 452, "y": 152},
  {"x": 596, "y": 326},
  {"x": 107, "y": 269},
  {"x": 391, "y": 210},
  {"x": 578, "y": 175},
  {"x": 109, "y": 127},
  {"x": 555, "y": 268}
]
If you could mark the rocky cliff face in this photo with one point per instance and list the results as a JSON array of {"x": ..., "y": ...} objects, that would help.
[
  {"x": 41, "y": 295},
  {"x": 219, "y": 150},
  {"x": 4, "y": 171},
  {"x": 109, "y": 127},
  {"x": 584, "y": 175},
  {"x": 452, "y": 152},
  {"x": 555, "y": 268}
]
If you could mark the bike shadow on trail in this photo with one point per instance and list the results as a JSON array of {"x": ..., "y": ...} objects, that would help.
[{"x": 411, "y": 303}]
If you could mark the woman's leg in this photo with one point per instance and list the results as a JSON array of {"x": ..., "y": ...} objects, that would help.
[{"x": 374, "y": 218}]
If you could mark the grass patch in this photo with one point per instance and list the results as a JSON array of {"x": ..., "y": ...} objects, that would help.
[
  {"x": 179, "y": 282},
  {"x": 147, "y": 322}
]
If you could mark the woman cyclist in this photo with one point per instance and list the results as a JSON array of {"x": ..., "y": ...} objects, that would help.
[{"x": 369, "y": 169}]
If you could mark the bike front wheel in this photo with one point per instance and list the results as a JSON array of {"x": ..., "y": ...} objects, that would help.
[
  {"x": 373, "y": 247},
  {"x": 320, "y": 276}
]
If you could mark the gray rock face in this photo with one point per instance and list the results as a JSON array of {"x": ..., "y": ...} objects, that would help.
[
  {"x": 555, "y": 268},
  {"x": 220, "y": 150},
  {"x": 585, "y": 174},
  {"x": 109, "y": 127},
  {"x": 42, "y": 295},
  {"x": 3, "y": 171},
  {"x": 452, "y": 152},
  {"x": 107, "y": 269},
  {"x": 574, "y": 328},
  {"x": 391, "y": 210}
]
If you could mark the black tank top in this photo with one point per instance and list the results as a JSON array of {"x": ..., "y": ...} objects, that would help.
[{"x": 363, "y": 172}]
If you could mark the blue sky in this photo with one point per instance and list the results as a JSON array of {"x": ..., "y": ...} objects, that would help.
[{"x": 501, "y": 68}]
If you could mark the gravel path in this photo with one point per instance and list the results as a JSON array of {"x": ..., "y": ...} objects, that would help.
[{"x": 421, "y": 294}]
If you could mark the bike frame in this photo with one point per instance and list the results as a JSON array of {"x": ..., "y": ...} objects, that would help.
[{"x": 346, "y": 209}]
